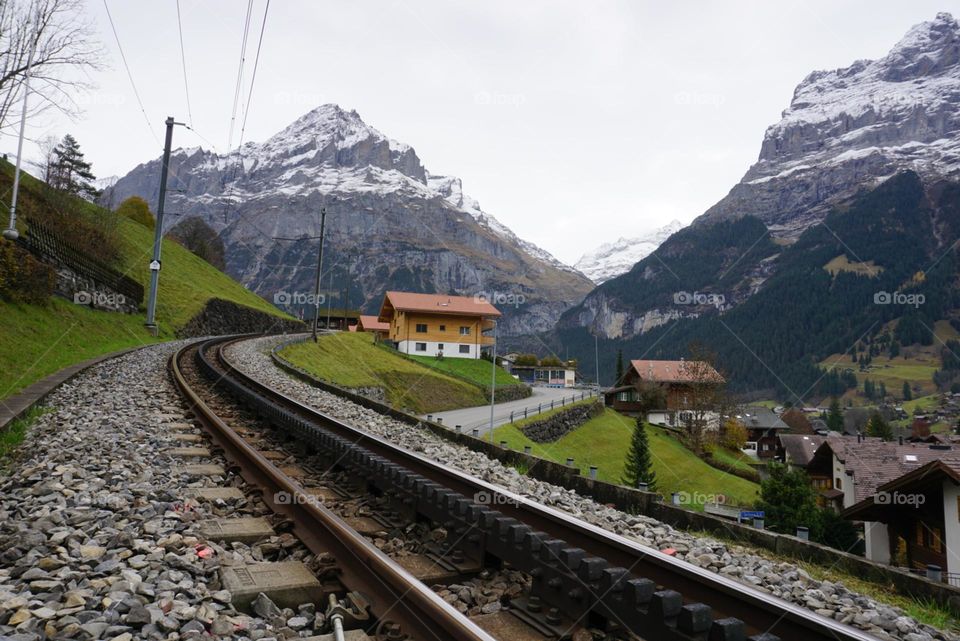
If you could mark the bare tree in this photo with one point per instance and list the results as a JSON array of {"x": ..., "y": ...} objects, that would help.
[
  {"x": 66, "y": 52},
  {"x": 704, "y": 402}
]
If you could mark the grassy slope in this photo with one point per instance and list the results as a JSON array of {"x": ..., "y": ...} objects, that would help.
[
  {"x": 915, "y": 365},
  {"x": 352, "y": 360},
  {"x": 36, "y": 341},
  {"x": 475, "y": 370},
  {"x": 605, "y": 440}
]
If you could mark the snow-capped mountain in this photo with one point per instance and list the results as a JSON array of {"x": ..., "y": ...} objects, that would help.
[
  {"x": 390, "y": 223},
  {"x": 612, "y": 259},
  {"x": 854, "y": 127}
]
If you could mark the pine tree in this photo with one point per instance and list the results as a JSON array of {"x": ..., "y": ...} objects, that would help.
[
  {"x": 70, "y": 173},
  {"x": 835, "y": 416},
  {"x": 639, "y": 467},
  {"x": 619, "y": 367},
  {"x": 907, "y": 394},
  {"x": 878, "y": 427},
  {"x": 883, "y": 390}
]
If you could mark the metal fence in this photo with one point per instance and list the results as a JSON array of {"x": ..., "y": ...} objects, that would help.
[
  {"x": 43, "y": 242},
  {"x": 533, "y": 410}
]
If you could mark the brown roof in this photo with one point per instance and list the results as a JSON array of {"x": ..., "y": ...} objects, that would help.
[
  {"x": 674, "y": 371},
  {"x": 920, "y": 478},
  {"x": 875, "y": 462},
  {"x": 372, "y": 324},
  {"x": 799, "y": 448},
  {"x": 438, "y": 304}
]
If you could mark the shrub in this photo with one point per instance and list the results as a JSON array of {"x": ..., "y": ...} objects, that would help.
[
  {"x": 526, "y": 359},
  {"x": 24, "y": 279},
  {"x": 136, "y": 209},
  {"x": 734, "y": 435}
]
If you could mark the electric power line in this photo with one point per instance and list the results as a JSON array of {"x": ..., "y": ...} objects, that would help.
[
  {"x": 129, "y": 74},
  {"x": 253, "y": 76},
  {"x": 183, "y": 60},
  {"x": 243, "y": 55}
]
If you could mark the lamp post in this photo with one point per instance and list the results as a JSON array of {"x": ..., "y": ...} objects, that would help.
[
  {"x": 493, "y": 378},
  {"x": 11, "y": 233}
]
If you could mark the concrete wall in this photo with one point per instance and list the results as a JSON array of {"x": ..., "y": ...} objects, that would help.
[
  {"x": 450, "y": 350},
  {"x": 951, "y": 525}
]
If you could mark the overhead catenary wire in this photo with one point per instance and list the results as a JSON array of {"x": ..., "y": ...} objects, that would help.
[
  {"x": 183, "y": 61},
  {"x": 253, "y": 76},
  {"x": 236, "y": 92},
  {"x": 133, "y": 84}
]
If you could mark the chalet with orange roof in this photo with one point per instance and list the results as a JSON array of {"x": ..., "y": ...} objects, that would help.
[
  {"x": 372, "y": 325},
  {"x": 438, "y": 325}
]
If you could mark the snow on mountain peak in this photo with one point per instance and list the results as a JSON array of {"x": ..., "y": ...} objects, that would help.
[{"x": 612, "y": 259}]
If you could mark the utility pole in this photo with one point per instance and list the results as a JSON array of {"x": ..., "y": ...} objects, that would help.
[
  {"x": 158, "y": 232},
  {"x": 596, "y": 356},
  {"x": 493, "y": 377},
  {"x": 329, "y": 297},
  {"x": 11, "y": 233},
  {"x": 316, "y": 289}
]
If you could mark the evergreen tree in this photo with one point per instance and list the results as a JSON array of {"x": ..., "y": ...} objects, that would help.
[
  {"x": 883, "y": 390},
  {"x": 835, "y": 416},
  {"x": 639, "y": 467},
  {"x": 878, "y": 427},
  {"x": 894, "y": 350},
  {"x": 70, "y": 173},
  {"x": 868, "y": 389},
  {"x": 788, "y": 500},
  {"x": 907, "y": 394},
  {"x": 619, "y": 367}
]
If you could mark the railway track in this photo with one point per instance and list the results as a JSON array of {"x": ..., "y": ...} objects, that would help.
[{"x": 581, "y": 576}]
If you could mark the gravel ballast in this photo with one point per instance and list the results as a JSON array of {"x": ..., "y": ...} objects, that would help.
[
  {"x": 98, "y": 535},
  {"x": 784, "y": 580}
]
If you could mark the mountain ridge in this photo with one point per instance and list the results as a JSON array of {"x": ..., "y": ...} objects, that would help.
[{"x": 390, "y": 224}]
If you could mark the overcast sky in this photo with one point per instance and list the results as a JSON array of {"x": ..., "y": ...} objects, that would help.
[{"x": 574, "y": 123}]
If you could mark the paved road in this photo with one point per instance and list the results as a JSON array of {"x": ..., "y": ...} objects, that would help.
[{"x": 479, "y": 417}]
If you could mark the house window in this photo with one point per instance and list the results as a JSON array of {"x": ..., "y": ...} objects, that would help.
[
  {"x": 421, "y": 347},
  {"x": 838, "y": 484},
  {"x": 623, "y": 396},
  {"x": 443, "y": 328},
  {"x": 421, "y": 328},
  {"x": 464, "y": 331},
  {"x": 464, "y": 349},
  {"x": 440, "y": 346}
]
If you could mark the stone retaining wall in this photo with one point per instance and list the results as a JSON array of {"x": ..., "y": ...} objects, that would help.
[
  {"x": 220, "y": 317},
  {"x": 559, "y": 424}
]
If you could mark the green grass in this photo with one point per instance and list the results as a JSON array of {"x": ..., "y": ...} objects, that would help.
[
  {"x": 605, "y": 440},
  {"x": 737, "y": 460},
  {"x": 352, "y": 360},
  {"x": 475, "y": 370},
  {"x": 36, "y": 341},
  {"x": 15, "y": 432}
]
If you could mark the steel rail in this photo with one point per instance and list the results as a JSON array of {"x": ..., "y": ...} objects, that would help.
[
  {"x": 394, "y": 594},
  {"x": 763, "y": 613}
]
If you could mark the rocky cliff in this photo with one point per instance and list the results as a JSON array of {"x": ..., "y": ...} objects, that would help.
[
  {"x": 852, "y": 128},
  {"x": 390, "y": 223}
]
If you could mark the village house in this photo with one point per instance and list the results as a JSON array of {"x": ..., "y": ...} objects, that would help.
[
  {"x": 372, "y": 325},
  {"x": 763, "y": 426},
  {"x": 906, "y": 495},
  {"x": 438, "y": 325},
  {"x": 680, "y": 382}
]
